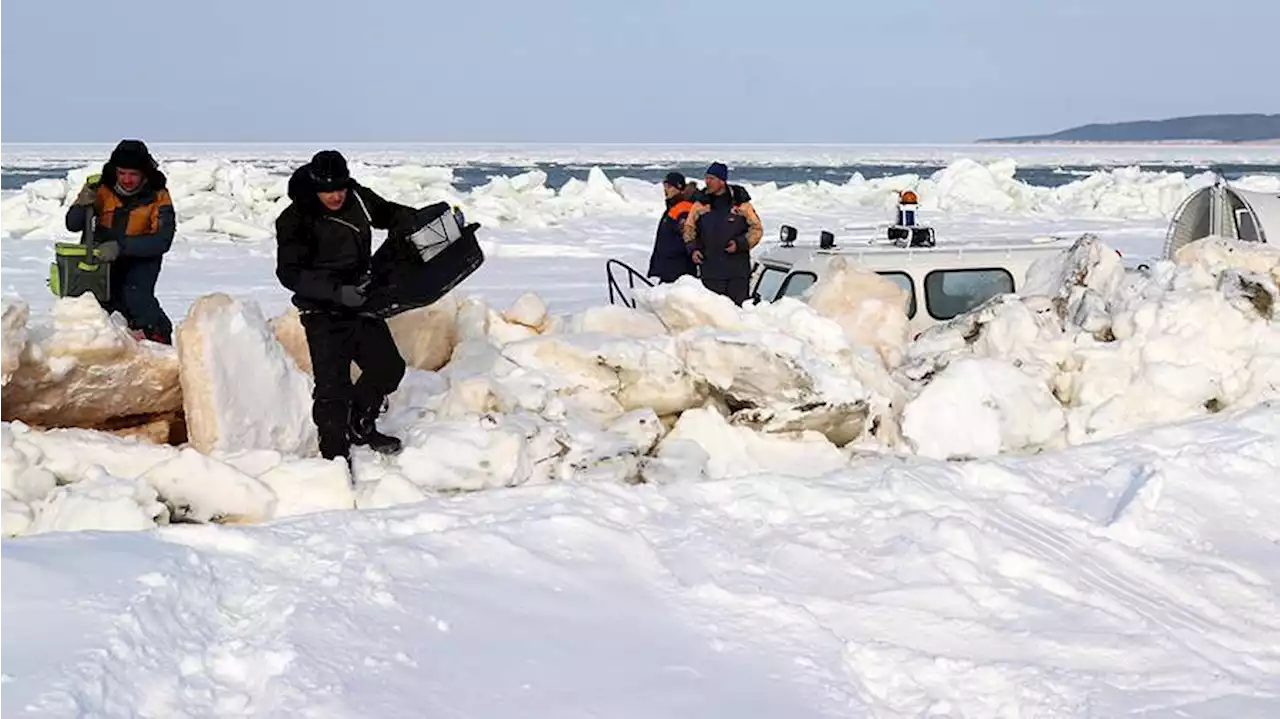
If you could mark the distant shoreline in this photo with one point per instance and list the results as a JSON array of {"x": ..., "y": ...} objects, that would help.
[
  {"x": 1223, "y": 129},
  {"x": 1135, "y": 143}
]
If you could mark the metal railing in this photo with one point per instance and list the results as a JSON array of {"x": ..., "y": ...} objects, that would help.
[{"x": 616, "y": 293}]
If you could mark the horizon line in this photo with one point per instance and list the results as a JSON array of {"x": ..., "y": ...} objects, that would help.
[{"x": 682, "y": 144}]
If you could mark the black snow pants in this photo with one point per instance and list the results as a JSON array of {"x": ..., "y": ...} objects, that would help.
[
  {"x": 335, "y": 341},
  {"x": 133, "y": 294},
  {"x": 735, "y": 288}
]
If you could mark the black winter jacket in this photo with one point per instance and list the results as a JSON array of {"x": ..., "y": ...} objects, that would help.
[
  {"x": 318, "y": 250},
  {"x": 716, "y": 228},
  {"x": 671, "y": 259}
]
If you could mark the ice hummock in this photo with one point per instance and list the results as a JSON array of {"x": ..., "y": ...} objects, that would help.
[
  {"x": 521, "y": 402},
  {"x": 79, "y": 367},
  {"x": 526, "y": 398},
  {"x": 240, "y": 200},
  {"x": 686, "y": 385},
  {"x": 1116, "y": 350}
]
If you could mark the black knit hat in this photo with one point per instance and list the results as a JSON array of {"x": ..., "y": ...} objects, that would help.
[
  {"x": 674, "y": 179},
  {"x": 328, "y": 171}
]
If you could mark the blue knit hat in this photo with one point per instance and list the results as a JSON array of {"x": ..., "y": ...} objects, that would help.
[{"x": 718, "y": 169}]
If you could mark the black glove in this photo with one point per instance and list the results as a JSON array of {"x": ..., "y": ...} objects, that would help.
[
  {"x": 352, "y": 295},
  {"x": 404, "y": 221},
  {"x": 402, "y": 227},
  {"x": 108, "y": 251}
]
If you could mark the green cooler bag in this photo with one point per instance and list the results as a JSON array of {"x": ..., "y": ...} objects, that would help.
[{"x": 75, "y": 271}]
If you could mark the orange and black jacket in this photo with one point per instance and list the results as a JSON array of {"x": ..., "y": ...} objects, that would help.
[
  {"x": 143, "y": 223},
  {"x": 670, "y": 259}
]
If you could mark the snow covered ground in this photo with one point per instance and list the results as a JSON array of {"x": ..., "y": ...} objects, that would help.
[
  {"x": 1135, "y": 577},
  {"x": 1059, "y": 505}
]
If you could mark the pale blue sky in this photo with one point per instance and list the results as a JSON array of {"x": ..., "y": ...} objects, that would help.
[{"x": 622, "y": 70}]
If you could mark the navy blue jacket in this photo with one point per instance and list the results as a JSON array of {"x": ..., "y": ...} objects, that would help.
[
  {"x": 671, "y": 258},
  {"x": 719, "y": 225}
]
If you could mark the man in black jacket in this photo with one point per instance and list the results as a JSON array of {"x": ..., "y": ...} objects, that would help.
[
  {"x": 721, "y": 230},
  {"x": 324, "y": 247},
  {"x": 670, "y": 259}
]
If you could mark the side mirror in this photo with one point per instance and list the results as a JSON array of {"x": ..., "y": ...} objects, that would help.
[
  {"x": 788, "y": 235},
  {"x": 826, "y": 240}
]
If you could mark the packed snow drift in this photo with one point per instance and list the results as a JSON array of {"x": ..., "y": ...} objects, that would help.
[{"x": 241, "y": 200}]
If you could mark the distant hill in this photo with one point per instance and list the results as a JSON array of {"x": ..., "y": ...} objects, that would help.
[{"x": 1197, "y": 128}]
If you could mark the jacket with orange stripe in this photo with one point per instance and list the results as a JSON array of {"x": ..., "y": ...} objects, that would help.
[
  {"x": 670, "y": 259},
  {"x": 143, "y": 224}
]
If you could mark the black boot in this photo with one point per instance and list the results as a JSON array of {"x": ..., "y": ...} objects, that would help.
[
  {"x": 364, "y": 431},
  {"x": 333, "y": 450}
]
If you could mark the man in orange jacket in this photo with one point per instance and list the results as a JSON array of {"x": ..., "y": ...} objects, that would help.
[
  {"x": 671, "y": 259},
  {"x": 135, "y": 228}
]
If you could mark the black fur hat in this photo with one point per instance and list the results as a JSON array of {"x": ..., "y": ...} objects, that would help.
[
  {"x": 328, "y": 171},
  {"x": 133, "y": 155}
]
